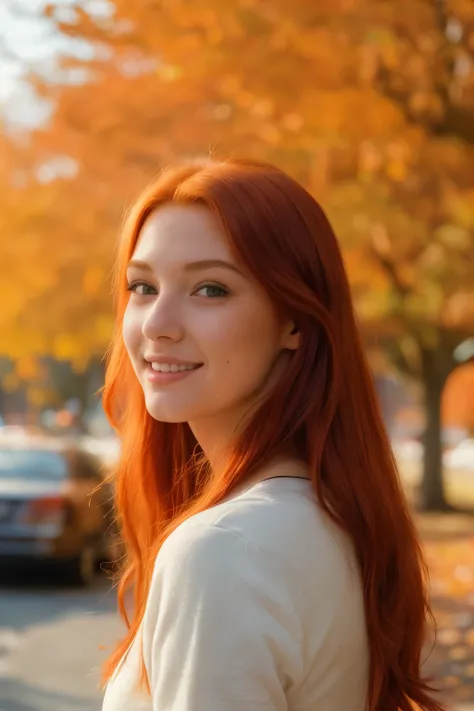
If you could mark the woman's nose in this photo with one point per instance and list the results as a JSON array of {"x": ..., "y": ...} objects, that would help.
[{"x": 163, "y": 321}]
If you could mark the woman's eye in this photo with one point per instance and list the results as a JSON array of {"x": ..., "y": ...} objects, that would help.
[
  {"x": 212, "y": 291},
  {"x": 139, "y": 287}
]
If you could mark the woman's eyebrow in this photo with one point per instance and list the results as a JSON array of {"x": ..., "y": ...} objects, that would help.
[
  {"x": 139, "y": 265},
  {"x": 206, "y": 263},
  {"x": 189, "y": 266}
]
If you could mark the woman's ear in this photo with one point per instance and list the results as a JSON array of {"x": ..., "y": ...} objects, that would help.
[{"x": 291, "y": 336}]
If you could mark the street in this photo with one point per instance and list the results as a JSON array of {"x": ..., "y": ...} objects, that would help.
[{"x": 50, "y": 644}]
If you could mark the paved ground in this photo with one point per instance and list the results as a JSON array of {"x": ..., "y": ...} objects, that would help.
[
  {"x": 50, "y": 639},
  {"x": 449, "y": 546}
]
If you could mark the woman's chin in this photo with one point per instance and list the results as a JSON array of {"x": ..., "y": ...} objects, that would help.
[
  {"x": 167, "y": 411},
  {"x": 172, "y": 418}
]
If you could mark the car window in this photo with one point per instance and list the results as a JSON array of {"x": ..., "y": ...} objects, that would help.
[{"x": 32, "y": 464}]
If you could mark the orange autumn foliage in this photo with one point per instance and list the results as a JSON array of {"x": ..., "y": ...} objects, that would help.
[
  {"x": 458, "y": 398},
  {"x": 350, "y": 97}
]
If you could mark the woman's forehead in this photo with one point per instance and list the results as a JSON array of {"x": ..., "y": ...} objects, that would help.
[{"x": 184, "y": 235}]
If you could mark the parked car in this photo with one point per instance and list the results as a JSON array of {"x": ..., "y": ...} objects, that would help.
[
  {"x": 106, "y": 449},
  {"x": 54, "y": 507}
]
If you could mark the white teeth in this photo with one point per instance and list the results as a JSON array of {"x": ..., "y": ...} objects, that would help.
[{"x": 170, "y": 367}]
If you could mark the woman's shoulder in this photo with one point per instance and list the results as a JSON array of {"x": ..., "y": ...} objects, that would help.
[
  {"x": 262, "y": 577},
  {"x": 278, "y": 520},
  {"x": 270, "y": 546}
]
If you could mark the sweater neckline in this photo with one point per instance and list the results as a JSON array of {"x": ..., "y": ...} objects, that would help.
[{"x": 283, "y": 482}]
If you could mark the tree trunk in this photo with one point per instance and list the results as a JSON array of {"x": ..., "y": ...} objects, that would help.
[{"x": 432, "y": 491}]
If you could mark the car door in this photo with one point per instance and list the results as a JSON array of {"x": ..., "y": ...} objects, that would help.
[{"x": 86, "y": 481}]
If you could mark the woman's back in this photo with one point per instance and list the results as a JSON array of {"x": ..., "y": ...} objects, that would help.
[{"x": 255, "y": 603}]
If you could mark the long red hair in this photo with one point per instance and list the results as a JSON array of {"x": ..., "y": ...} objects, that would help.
[{"x": 325, "y": 403}]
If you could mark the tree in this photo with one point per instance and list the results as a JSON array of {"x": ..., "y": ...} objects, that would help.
[
  {"x": 369, "y": 102},
  {"x": 54, "y": 280}
]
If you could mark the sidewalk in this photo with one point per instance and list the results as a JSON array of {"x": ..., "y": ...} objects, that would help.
[{"x": 448, "y": 541}]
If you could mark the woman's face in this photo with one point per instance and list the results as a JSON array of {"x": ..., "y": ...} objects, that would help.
[{"x": 202, "y": 335}]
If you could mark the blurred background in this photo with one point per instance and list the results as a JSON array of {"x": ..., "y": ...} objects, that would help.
[{"x": 370, "y": 104}]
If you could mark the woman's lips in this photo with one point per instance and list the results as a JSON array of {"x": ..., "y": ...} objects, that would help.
[{"x": 164, "y": 376}]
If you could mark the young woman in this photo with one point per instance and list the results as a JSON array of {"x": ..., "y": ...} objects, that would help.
[{"x": 271, "y": 554}]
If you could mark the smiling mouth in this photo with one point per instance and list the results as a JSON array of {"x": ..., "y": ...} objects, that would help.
[{"x": 173, "y": 367}]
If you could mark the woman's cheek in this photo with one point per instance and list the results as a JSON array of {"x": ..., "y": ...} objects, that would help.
[
  {"x": 131, "y": 332},
  {"x": 217, "y": 333}
]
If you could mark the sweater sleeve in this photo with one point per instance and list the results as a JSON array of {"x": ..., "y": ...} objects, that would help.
[{"x": 220, "y": 632}]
